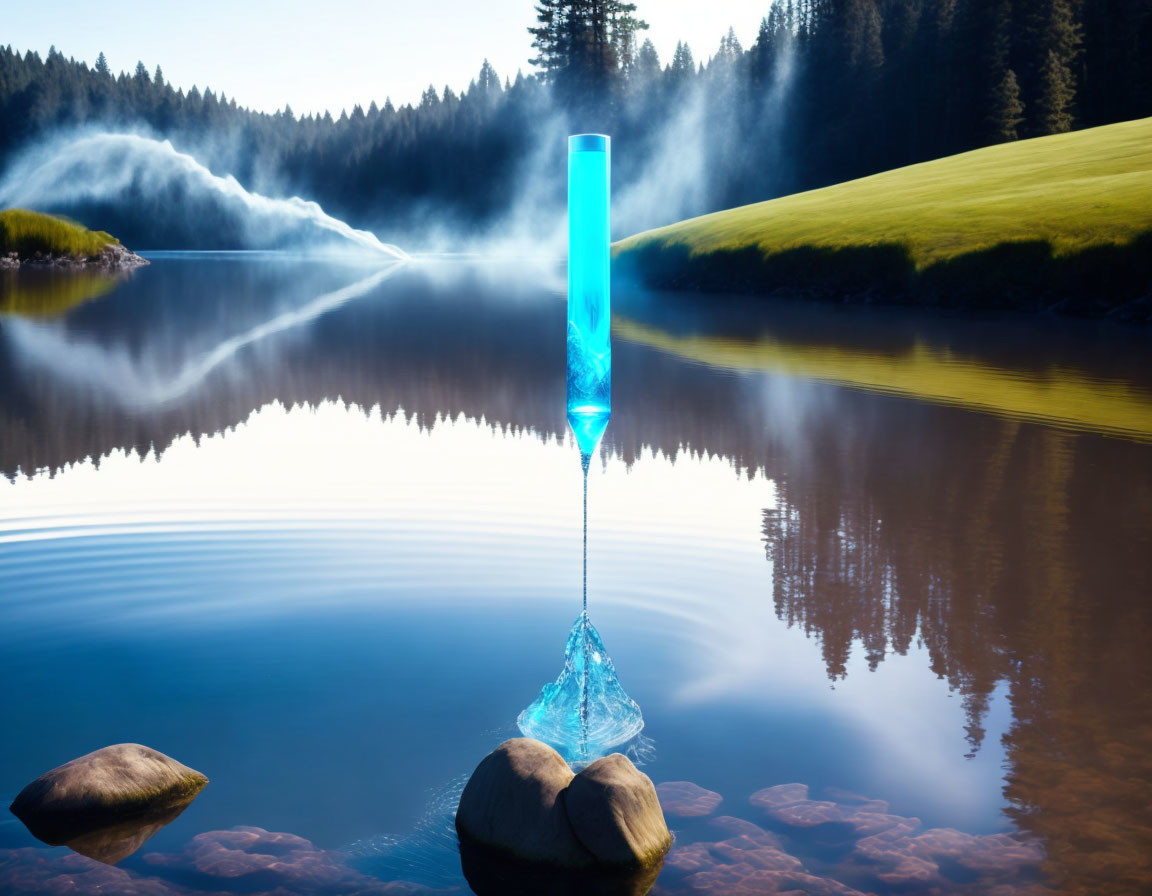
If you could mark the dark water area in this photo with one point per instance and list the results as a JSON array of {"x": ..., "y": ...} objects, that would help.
[{"x": 314, "y": 529}]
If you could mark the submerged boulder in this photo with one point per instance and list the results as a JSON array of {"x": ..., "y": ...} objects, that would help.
[
  {"x": 614, "y": 811},
  {"x": 514, "y": 803},
  {"x": 524, "y": 802},
  {"x": 687, "y": 800},
  {"x": 103, "y": 789}
]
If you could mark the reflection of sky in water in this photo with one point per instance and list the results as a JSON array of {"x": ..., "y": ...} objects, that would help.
[{"x": 300, "y": 519}]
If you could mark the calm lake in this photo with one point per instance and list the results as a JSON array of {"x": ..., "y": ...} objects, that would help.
[{"x": 314, "y": 529}]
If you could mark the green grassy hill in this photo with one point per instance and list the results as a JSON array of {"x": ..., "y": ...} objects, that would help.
[
  {"x": 1034, "y": 223},
  {"x": 26, "y": 233}
]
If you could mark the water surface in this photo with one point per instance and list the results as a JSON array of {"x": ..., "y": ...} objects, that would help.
[{"x": 313, "y": 528}]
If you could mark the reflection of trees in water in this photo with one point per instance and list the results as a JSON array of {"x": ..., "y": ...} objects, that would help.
[
  {"x": 1014, "y": 554},
  {"x": 504, "y": 365},
  {"x": 51, "y": 292},
  {"x": 1018, "y": 555}
]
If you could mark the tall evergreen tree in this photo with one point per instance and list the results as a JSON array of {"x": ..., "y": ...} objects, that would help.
[
  {"x": 862, "y": 36},
  {"x": 488, "y": 82},
  {"x": 683, "y": 66},
  {"x": 102, "y": 65},
  {"x": 1006, "y": 112},
  {"x": 1057, "y": 81},
  {"x": 1057, "y": 92},
  {"x": 730, "y": 50},
  {"x": 551, "y": 38},
  {"x": 1049, "y": 42},
  {"x": 624, "y": 27},
  {"x": 647, "y": 68},
  {"x": 583, "y": 44}
]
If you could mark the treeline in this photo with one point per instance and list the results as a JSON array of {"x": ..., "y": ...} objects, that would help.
[{"x": 829, "y": 90}]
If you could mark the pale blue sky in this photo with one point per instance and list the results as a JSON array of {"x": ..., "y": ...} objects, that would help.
[{"x": 338, "y": 52}]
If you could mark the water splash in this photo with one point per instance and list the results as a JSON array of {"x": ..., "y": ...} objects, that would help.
[
  {"x": 585, "y": 712},
  {"x": 107, "y": 167}
]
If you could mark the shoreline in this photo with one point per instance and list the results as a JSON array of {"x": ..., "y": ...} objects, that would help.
[
  {"x": 112, "y": 257},
  {"x": 1102, "y": 282}
]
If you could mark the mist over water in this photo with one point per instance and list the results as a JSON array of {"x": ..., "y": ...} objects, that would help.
[
  {"x": 111, "y": 169},
  {"x": 151, "y": 195}
]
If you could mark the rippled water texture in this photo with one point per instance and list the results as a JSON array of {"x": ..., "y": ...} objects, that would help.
[{"x": 878, "y": 582}]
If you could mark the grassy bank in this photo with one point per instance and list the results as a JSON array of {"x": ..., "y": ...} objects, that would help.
[
  {"x": 1062, "y": 221},
  {"x": 27, "y": 233}
]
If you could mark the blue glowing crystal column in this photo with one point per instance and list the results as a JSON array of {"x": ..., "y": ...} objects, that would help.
[
  {"x": 585, "y": 712},
  {"x": 589, "y": 308}
]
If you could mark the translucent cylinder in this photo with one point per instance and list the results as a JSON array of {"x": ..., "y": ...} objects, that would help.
[{"x": 589, "y": 306}]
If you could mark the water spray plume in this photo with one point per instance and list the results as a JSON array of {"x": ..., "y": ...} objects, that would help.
[{"x": 107, "y": 168}]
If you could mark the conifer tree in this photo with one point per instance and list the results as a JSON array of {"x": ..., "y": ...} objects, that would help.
[
  {"x": 1050, "y": 40},
  {"x": 647, "y": 67},
  {"x": 773, "y": 40},
  {"x": 488, "y": 82},
  {"x": 1007, "y": 112},
  {"x": 730, "y": 50},
  {"x": 683, "y": 66},
  {"x": 624, "y": 27},
  {"x": 102, "y": 65},
  {"x": 552, "y": 37},
  {"x": 725, "y": 63},
  {"x": 863, "y": 36},
  {"x": 1057, "y": 81},
  {"x": 583, "y": 44},
  {"x": 1057, "y": 91}
]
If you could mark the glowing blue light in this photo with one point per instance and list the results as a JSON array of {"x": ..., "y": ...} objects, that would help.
[
  {"x": 585, "y": 712},
  {"x": 589, "y": 307}
]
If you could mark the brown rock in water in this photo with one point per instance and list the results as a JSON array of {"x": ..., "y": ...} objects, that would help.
[
  {"x": 514, "y": 803},
  {"x": 687, "y": 800},
  {"x": 103, "y": 789},
  {"x": 614, "y": 812}
]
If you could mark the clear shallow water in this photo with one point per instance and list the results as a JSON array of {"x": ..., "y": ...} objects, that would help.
[{"x": 314, "y": 529}]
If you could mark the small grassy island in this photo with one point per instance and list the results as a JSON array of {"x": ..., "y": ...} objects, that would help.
[
  {"x": 1060, "y": 223},
  {"x": 33, "y": 239}
]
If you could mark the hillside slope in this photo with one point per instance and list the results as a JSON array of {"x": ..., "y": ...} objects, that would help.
[{"x": 1032, "y": 224}]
